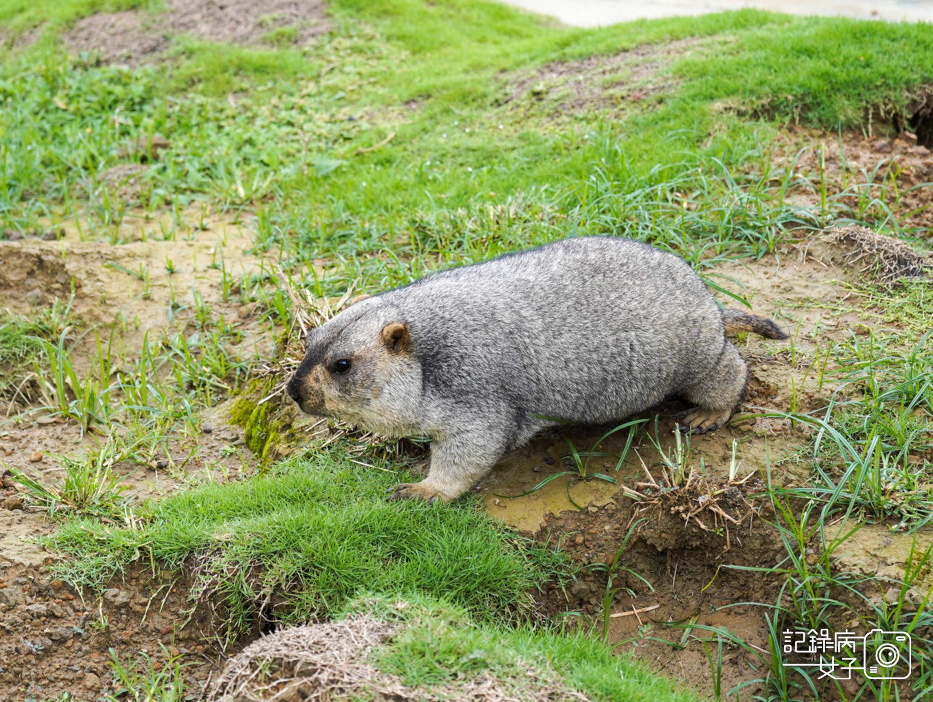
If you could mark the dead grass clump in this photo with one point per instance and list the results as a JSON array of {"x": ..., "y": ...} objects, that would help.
[
  {"x": 313, "y": 662},
  {"x": 886, "y": 259}
]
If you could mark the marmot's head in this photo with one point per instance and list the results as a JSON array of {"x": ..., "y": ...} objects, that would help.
[{"x": 360, "y": 367}]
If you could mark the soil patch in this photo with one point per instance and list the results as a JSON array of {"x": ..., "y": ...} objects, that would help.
[
  {"x": 673, "y": 575},
  {"x": 608, "y": 84},
  {"x": 134, "y": 37},
  {"x": 56, "y": 641},
  {"x": 863, "y": 173}
]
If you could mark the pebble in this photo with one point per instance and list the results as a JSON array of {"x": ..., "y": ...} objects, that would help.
[
  {"x": 91, "y": 681},
  {"x": 35, "y": 458},
  {"x": 116, "y": 596},
  {"x": 548, "y": 460},
  {"x": 60, "y": 633},
  {"x": 883, "y": 146},
  {"x": 38, "y": 610},
  {"x": 578, "y": 540},
  {"x": 14, "y": 502},
  {"x": 34, "y": 297},
  {"x": 9, "y": 596}
]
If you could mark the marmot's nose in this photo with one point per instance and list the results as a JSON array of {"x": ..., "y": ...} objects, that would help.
[{"x": 293, "y": 389}]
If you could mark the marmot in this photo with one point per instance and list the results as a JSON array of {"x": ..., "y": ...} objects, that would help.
[{"x": 481, "y": 358}]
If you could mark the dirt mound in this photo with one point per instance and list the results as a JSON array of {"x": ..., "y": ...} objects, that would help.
[
  {"x": 886, "y": 259},
  {"x": 605, "y": 83},
  {"x": 134, "y": 37},
  {"x": 331, "y": 661}
]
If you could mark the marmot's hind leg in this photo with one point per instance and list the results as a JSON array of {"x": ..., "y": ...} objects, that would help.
[{"x": 717, "y": 393}]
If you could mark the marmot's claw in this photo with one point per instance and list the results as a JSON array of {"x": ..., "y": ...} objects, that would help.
[
  {"x": 414, "y": 491},
  {"x": 701, "y": 421}
]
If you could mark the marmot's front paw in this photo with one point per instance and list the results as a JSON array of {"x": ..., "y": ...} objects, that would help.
[
  {"x": 416, "y": 491},
  {"x": 700, "y": 420}
]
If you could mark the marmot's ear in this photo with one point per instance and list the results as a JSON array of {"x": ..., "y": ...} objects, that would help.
[{"x": 396, "y": 337}]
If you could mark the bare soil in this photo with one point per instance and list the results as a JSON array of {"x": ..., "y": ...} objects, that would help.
[
  {"x": 607, "y": 84},
  {"x": 134, "y": 37}
]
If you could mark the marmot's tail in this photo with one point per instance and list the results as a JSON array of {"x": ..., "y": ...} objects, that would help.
[{"x": 735, "y": 321}]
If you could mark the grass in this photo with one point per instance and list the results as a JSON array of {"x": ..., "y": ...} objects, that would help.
[
  {"x": 398, "y": 144},
  {"x": 315, "y": 534},
  {"x": 22, "y": 343},
  {"x": 440, "y": 642}
]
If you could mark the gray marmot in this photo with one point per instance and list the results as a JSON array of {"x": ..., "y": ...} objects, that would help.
[{"x": 481, "y": 358}]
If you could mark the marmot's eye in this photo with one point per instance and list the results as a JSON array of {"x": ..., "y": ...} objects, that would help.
[{"x": 342, "y": 366}]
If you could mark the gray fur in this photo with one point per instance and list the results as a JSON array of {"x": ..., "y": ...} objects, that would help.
[{"x": 585, "y": 330}]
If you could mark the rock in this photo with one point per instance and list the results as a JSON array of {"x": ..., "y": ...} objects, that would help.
[
  {"x": 38, "y": 610},
  {"x": 14, "y": 502},
  {"x": 580, "y": 589},
  {"x": 883, "y": 146},
  {"x": 36, "y": 457},
  {"x": 91, "y": 682},
  {"x": 892, "y": 595},
  {"x": 60, "y": 633},
  {"x": 9, "y": 596},
  {"x": 12, "y": 235},
  {"x": 117, "y": 597},
  {"x": 34, "y": 297}
]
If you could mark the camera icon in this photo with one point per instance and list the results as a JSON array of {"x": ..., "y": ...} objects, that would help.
[{"x": 886, "y": 655}]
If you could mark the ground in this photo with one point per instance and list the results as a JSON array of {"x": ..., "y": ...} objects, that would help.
[{"x": 176, "y": 201}]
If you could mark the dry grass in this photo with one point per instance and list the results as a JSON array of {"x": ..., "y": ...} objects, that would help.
[{"x": 886, "y": 259}]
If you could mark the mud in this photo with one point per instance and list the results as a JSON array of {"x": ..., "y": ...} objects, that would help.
[{"x": 133, "y": 37}]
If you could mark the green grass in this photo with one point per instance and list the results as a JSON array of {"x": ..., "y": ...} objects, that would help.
[
  {"x": 390, "y": 148},
  {"x": 313, "y": 535},
  {"x": 440, "y": 642},
  {"x": 23, "y": 340}
]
